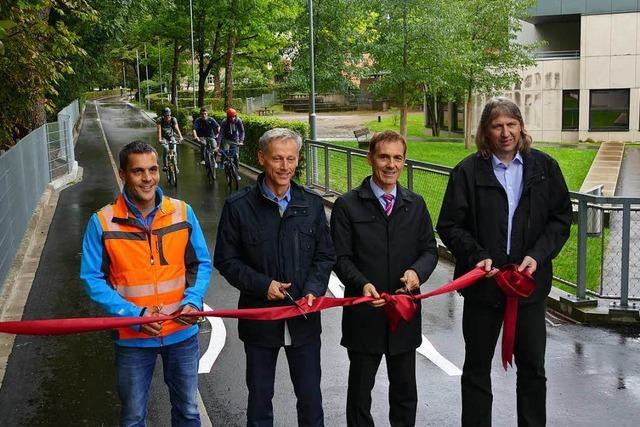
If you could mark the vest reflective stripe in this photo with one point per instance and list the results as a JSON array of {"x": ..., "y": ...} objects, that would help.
[
  {"x": 171, "y": 285},
  {"x": 147, "y": 268},
  {"x": 129, "y": 291}
]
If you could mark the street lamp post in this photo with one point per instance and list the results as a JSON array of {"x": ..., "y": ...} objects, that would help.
[
  {"x": 193, "y": 65},
  {"x": 146, "y": 67},
  {"x": 124, "y": 77},
  {"x": 312, "y": 99},
  {"x": 160, "y": 67},
  {"x": 138, "y": 74}
]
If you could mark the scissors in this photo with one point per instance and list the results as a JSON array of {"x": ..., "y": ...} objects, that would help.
[
  {"x": 295, "y": 303},
  {"x": 413, "y": 297}
]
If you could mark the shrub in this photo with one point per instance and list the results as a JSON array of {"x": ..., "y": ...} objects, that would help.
[{"x": 254, "y": 127}]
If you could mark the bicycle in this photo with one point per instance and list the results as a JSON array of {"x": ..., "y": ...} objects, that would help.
[
  {"x": 172, "y": 163},
  {"x": 229, "y": 166},
  {"x": 209, "y": 160}
]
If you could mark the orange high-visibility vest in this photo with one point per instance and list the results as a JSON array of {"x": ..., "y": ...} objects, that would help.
[{"x": 147, "y": 268}]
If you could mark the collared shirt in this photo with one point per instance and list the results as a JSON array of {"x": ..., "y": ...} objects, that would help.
[
  {"x": 145, "y": 222},
  {"x": 282, "y": 206},
  {"x": 379, "y": 192},
  {"x": 282, "y": 203},
  {"x": 510, "y": 177}
]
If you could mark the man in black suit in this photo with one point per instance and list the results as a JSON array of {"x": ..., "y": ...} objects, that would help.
[{"x": 384, "y": 242}]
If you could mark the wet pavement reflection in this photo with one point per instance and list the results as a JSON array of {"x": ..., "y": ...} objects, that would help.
[{"x": 593, "y": 373}]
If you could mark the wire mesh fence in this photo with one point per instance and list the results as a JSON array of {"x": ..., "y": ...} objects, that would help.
[{"x": 45, "y": 154}]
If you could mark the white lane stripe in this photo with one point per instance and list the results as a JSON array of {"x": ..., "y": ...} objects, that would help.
[
  {"x": 106, "y": 144},
  {"x": 216, "y": 343},
  {"x": 426, "y": 348},
  {"x": 429, "y": 351}
]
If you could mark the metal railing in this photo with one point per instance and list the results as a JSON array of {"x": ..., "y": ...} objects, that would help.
[
  {"x": 601, "y": 258},
  {"x": 608, "y": 257},
  {"x": 335, "y": 169},
  {"x": 25, "y": 170}
]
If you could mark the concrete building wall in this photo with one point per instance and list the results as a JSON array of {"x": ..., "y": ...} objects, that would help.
[{"x": 610, "y": 59}]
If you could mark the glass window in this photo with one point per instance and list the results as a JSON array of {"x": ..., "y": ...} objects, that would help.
[
  {"x": 570, "y": 109},
  {"x": 609, "y": 110}
]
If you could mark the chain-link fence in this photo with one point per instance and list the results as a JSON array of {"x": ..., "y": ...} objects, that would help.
[
  {"x": 261, "y": 103},
  {"x": 601, "y": 257}
]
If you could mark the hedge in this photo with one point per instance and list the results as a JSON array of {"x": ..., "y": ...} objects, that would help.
[{"x": 254, "y": 127}]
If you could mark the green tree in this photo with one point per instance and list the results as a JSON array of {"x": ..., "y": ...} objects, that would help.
[
  {"x": 38, "y": 47},
  {"x": 488, "y": 53},
  {"x": 341, "y": 36}
]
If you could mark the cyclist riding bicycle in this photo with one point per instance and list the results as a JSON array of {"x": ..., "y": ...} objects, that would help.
[
  {"x": 231, "y": 135},
  {"x": 205, "y": 130},
  {"x": 167, "y": 129}
]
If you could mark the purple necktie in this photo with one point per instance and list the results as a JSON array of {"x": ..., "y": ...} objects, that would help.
[{"x": 388, "y": 203}]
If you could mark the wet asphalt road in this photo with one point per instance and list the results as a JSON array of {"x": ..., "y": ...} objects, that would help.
[{"x": 594, "y": 373}]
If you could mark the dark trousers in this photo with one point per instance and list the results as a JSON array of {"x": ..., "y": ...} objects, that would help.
[
  {"x": 304, "y": 369},
  {"x": 403, "y": 395},
  {"x": 481, "y": 327}
]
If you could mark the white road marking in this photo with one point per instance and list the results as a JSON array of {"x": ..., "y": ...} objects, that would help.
[
  {"x": 426, "y": 348},
  {"x": 216, "y": 343},
  {"x": 106, "y": 144}
]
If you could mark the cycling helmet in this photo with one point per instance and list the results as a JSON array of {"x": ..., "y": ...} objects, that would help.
[
  {"x": 231, "y": 113},
  {"x": 166, "y": 111}
]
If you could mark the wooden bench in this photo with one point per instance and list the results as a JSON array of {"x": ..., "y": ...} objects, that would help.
[{"x": 362, "y": 136}]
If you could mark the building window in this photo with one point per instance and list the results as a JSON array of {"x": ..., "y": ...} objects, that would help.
[
  {"x": 570, "y": 109},
  {"x": 209, "y": 80},
  {"x": 609, "y": 110}
]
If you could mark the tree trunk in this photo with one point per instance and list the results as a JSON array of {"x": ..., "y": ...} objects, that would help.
[
  {"x": 228, "y": 76},
  {"x": 217, "y": 83},
  {"x": 174, "y": 73},
  {"x": 468, "y": 141},
  {"x": 202, "y": 78}
]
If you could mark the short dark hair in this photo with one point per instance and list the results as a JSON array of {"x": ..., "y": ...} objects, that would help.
[
  {"x": 386, "y": 136},
  {"x": 203, "y": 110},
  {"x": 495, "y": 107},
  {"x": 137, "y": 147}
]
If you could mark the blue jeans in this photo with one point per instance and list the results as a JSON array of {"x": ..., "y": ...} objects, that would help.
[{"x": 134, "y": 366}]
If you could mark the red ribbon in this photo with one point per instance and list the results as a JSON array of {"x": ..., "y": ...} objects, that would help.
[
  {"x": 514, "y": 284},
  {"x": 398, "y": 307}
]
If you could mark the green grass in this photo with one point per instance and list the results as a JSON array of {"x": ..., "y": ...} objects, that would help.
[
  {"x": 574, "y": 163},
  {"x": 415, "y": 127},
  {"x": 565, "y": 265}
]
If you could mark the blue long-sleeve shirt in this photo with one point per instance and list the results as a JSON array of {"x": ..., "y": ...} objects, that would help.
[{"x": 94, "y": 274}]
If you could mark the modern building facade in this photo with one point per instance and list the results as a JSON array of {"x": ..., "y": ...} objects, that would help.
[{"x": 586, "y": 83}]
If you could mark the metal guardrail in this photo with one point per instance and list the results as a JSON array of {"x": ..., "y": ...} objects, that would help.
[{"x": 601, "y": 258}]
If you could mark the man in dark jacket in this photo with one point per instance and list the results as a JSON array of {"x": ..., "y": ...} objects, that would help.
[
  {"x": 274, "y": 245},
  {"x": 384, "y": 243},
  {"x": 505, "y": 204}
]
